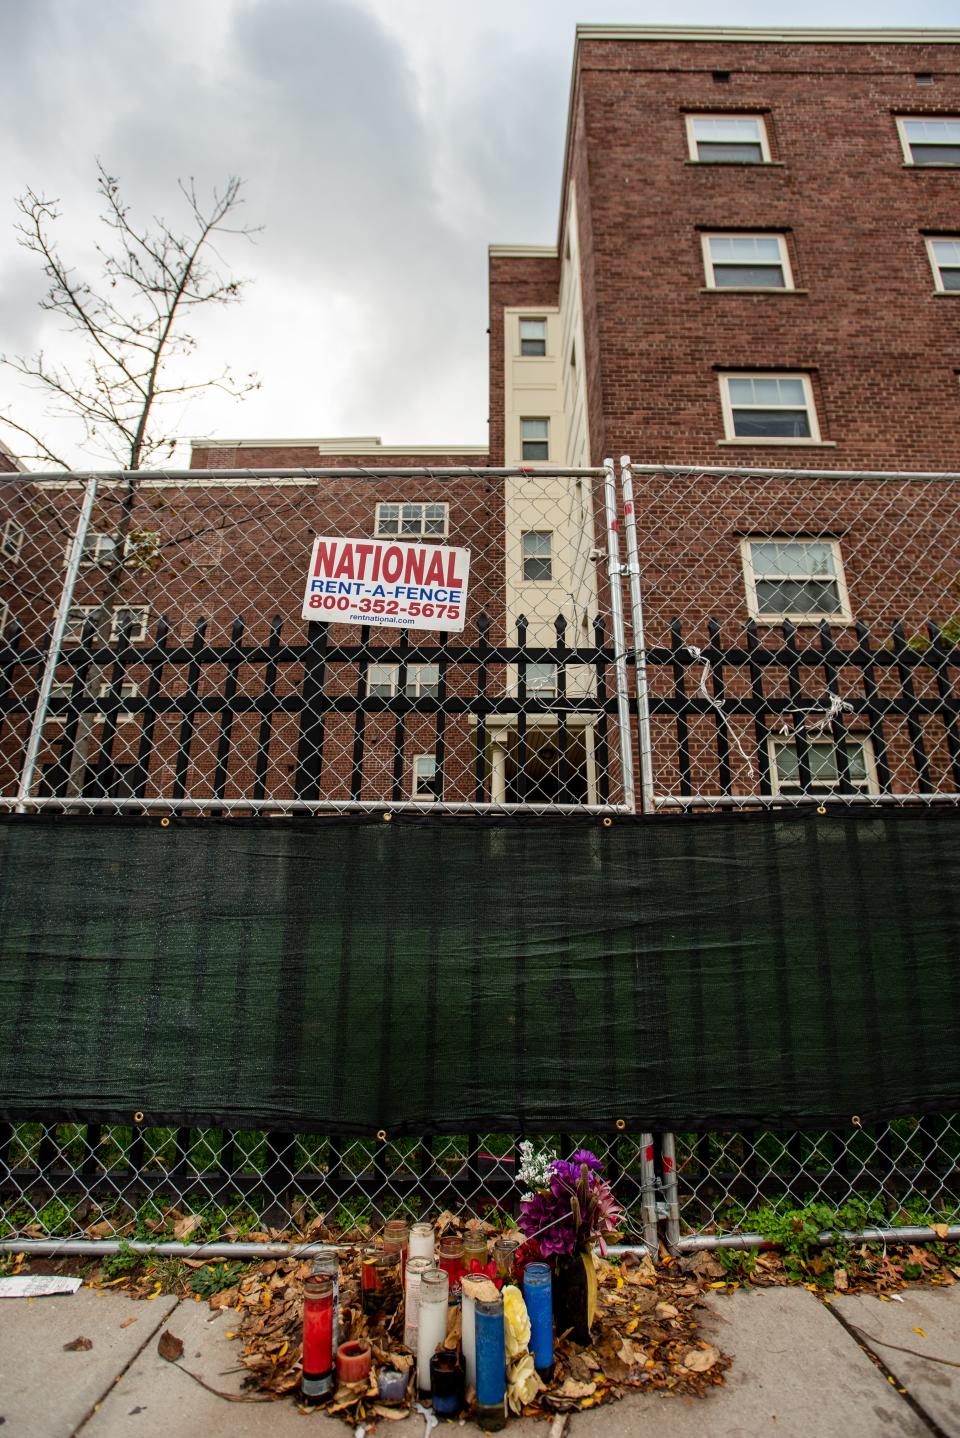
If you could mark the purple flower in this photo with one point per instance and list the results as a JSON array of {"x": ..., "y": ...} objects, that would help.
[{"x": 583, "y": 1155}]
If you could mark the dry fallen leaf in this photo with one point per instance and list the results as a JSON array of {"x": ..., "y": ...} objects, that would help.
[
  {"x": 79, "y": 1345},
  {"x": 572, "y": 1389},
  {"x": 184, "y": 1227},
  {"x": 699, "y": 1360},
  {"x": 170, "y": 1347},
  {"x": 666, "y": 1310}
]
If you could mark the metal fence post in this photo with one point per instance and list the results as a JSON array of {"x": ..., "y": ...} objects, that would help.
[
  {"x": 647, "y": 803},
  {"x": 56, "y": 644},
  {"x": 615, "y": 573},
  {"x": 671, "y": 1193},
  {"x": 648, "y": 1196}
]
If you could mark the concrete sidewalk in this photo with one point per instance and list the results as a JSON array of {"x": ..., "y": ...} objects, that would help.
[{"x": 798, "y": 1372}]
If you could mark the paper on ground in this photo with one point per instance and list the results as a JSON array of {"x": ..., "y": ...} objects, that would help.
[{"x": 37, "y": 1286}]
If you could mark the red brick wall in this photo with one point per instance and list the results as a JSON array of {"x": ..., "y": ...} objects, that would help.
[{"x": 882, "y": 350}]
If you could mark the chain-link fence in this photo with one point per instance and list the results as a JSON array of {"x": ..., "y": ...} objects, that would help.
[
  {"x": 65, "y": 1185},
  {"x": 159, "y": 648},
  {"x": 801, "y": 634}
]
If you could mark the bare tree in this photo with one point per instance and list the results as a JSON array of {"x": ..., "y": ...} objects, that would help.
[{"x": 134, "y": 325}]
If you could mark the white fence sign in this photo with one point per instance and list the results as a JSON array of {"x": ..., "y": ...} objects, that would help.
[{"x": 378, "y": 581}]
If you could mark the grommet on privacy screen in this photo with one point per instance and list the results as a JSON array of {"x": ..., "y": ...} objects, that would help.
[
  {"x": 620, "y": 1125},
  {"x": 821, "y": 808},
  {"x": 607, "y": 822},
  {"x": 856, "y": 1120},
  {"x": 387, "y": 817},
  {"x": 381, "y": 1135},
  {"x": 138, "y": 1116},
  {"x": 164, "y": 823}
]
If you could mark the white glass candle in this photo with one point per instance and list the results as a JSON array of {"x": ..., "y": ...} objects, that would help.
[
  {"x": 411, "y": 1300},
  {"x": 431, "y": 1321},
  {"x": 421, "y": 1243},
  {"x": 474, "y": 1286}
]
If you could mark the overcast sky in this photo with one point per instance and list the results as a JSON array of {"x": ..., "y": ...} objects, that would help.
[{"x": 383, "y": 144}]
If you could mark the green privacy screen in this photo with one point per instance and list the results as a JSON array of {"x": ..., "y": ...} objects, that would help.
[{"x": 433, "y": 977}]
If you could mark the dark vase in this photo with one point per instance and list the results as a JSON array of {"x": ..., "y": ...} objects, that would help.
[{"x": 575, "y": 1295}]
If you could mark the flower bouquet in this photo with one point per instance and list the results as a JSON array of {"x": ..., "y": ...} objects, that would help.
[{"x": 571, "y": 1207}]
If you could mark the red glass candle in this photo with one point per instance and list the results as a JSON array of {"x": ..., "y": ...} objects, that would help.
[
  {"x": 318, "y": 1380},
  {"x": 451, "y": 1261}
]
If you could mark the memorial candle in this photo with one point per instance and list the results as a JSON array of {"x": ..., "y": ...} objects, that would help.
[
  {"x": 422, "y": 1244},
  {"x": 474, "y": 1286},
  {"x": 318, "y": 1380},
  {"x": 451, "y": 1261},
  {"x": 327, "y": 1265},
  {"x": 431, "y": 1322},
  {"x": 491, "y": 1365},
  {"x": 416, "y": 1267},
  {"x": 538, "y": 1296},
  {"x": 396, "y": 1239}
]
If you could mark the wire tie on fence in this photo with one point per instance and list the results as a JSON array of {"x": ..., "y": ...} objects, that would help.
[{"x": 138, "y": 1116}]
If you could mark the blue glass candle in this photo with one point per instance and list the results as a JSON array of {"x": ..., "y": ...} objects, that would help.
[
  {"x": 538, "y": 1296},
  {"x": 446, "y": 1384},
  {"x": 491, "y": 1364}
]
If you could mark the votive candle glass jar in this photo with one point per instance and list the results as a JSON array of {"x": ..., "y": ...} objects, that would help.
[
  {"x": 538, "y": 1296},
  {"x": 474, "y": 1286},
  {"x": 451, "y": 1261},
  {"x": 416, "y": 1267},
  {"x": 422, "y": 1242},
  {"x": 491, "y": 1365},
  {"x": 474, "y": 1250},
  {"x": 318, "y": 1377},
  {"x": 446, "y": 1384},
  {"x": 505, "y": 1257},
  {"x": 396, "y": 1239},
  {"x": 327, "y": 1265},
  {"x": 431, "y": 1321}
]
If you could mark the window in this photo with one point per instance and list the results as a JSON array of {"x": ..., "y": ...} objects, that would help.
[
  {"x": 537, "y": 560},
  {"x": 771, "y": 409},
  {"x": 97, "y": 549},
  {"x": 535, "y": 438},
  {"x": 541, "y": 681},
  {"x": 423, "y": 681},
  {"x": 824, "y": 769},
  {"x": 797, "y": 579},
  {"x": 425, "y": 776},
  {"x": 412, "y": 521},
  {"x": 64, "y": 690},
  {"x": 141, "y": 548},
  {"x": 728, "y": 139},
  {"x": 533, "y": 337},
  {"x": 134, "y": 615},
  {"x": 11, "y": 539},
  {"x": 756, "y": 262},
  {"x": 945, "y": 263},
  {"x": 930, "y": 141}
]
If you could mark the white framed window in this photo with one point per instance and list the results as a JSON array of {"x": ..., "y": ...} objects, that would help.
[
  {"x": 423, "y": 681},
  {"x": 417, "y": 520},
  {"x": 63, "y": 689},
  {"x": 541, "y": 680},
  {"x": 929, "y": 140},
  {"x": 141, "y": 548},
  {"x": 728, "y": 139},
  {"x": 97, "y": 549},
  {"x": 11, "y": 539},
  {"x": 135, "y": 614},
  {"x": 944, "y": 255},
  {"x": 424, "y": 785},
  {"x": 768, "y": 408},
  {"x": 537, "y": 547},
  {"x": 533, "y": 336},
  {"x": 824, "y": 768},
  {"x": 797, "y": 579},
  {"x": 535, "y": 438},
  {"x": 746, "y": 262}
]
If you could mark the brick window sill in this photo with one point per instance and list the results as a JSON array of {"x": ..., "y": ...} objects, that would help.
[
  {"x": 750, "y": 290},
  {"x": 776, "y": 444}
]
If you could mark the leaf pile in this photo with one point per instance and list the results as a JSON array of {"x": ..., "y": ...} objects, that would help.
[{"x": 645, "y": 1338}]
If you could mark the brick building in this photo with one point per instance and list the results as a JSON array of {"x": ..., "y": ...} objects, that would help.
[{"x": 757, "y": 254}]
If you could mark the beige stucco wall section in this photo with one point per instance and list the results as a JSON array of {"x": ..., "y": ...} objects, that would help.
[{"x": 573, "y": 370}]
